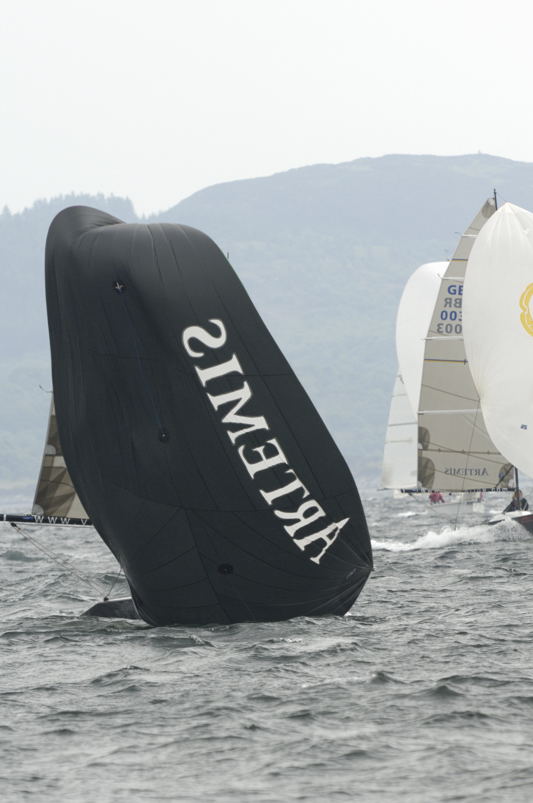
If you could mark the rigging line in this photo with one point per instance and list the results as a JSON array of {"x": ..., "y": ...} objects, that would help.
[
  {"x": 449, "y": 393},
  {"x": 489, "y": 457},
  {"x": 55, "y": 559},
  {"x": 114, "y": 581},
  {"x": 441, "y": 359}
]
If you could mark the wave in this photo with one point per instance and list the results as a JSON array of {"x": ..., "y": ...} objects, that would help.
[
  {"x": 479, "y": 534},
  {"x": 407, "y": 514},
  {"x": 16, "y": 554}
]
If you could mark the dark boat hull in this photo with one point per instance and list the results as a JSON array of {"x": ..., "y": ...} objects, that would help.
[{"x": 114, "y": 609}]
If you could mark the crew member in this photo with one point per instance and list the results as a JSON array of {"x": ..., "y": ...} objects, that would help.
[{"x": 518, "y": 502}]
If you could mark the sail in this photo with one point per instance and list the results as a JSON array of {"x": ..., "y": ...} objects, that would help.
[
  {"x": 498, "y": 334},
  {"x": 401, "y": 442},
  {"x": 55, "y": 494},
  {"x": 455, "y": 451},
  {"x": 412, "y": 322},
  {"x": 197, "y": 453},
  {"x": 400, "y": 457}
]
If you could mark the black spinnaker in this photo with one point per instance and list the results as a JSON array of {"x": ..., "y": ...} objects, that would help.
[{"x": 196, "y": 452}]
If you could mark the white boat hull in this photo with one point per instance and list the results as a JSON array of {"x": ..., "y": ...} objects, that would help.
[{"x": 522, "y": 517}]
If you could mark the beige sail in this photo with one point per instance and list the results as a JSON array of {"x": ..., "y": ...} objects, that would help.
[
  {"x": 455, "y": 452},
  {"x": 55, "y": 494}
]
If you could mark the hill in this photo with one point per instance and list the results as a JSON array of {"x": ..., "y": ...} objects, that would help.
[{"x": 324, "y": 252}]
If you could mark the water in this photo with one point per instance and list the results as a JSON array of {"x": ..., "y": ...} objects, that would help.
[{"x": 423, "y": 693}]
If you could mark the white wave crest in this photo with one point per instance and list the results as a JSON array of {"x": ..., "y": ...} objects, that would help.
[{"x": 448, "y": 536}]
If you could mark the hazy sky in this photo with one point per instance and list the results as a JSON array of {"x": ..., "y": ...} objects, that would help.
[{"x": 155, "y": 99}]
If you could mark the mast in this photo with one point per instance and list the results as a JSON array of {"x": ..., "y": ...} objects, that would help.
[{"x": 516, "y": 479}]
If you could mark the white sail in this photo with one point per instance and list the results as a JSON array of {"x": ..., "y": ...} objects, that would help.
[
  {"x": 412, "y": 324},
  {"x": 498, "y": 304},
  {"x": 455, "y": 452},
  {"x": 401, "y": 442},
  {"x": 55, "y": 494},
  {"x": 400, "y": 457}
]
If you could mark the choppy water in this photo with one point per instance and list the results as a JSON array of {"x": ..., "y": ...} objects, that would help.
[{"x": 424, "y": 693}]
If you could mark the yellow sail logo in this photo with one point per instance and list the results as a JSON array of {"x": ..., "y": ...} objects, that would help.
[{"x": 525, "y": 316}]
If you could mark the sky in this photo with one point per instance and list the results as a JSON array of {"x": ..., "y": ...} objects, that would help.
[{"x": 155, "y": 100}]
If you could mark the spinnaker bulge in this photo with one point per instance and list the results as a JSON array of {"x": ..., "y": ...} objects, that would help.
[
  {"x": 194, "y": 449},
  {"x": 499, "y": 330}
]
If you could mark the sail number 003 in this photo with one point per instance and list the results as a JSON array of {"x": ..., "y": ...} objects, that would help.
[{"x": 454, "y": 324}]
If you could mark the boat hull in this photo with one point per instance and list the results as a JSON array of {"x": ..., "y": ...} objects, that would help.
[
  {"x": 524, "y": 518},
  {"x": 114, "y": 609}
]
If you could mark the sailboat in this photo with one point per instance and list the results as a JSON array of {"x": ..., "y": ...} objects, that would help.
[
  {"x": 400, "y": 458},
  {"x": 55, "y": 500},
  {"x": 198, "y": 456},
  {"x": 498, "y": 336},
  {"x": 455, "y": 454}
]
